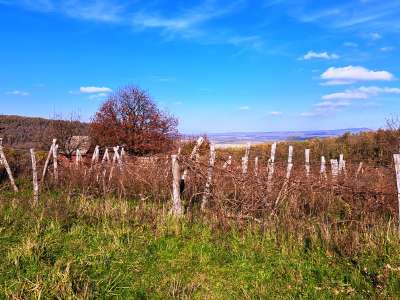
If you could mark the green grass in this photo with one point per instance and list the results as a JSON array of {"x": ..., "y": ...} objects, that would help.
[{"x": 108, "y": 248}]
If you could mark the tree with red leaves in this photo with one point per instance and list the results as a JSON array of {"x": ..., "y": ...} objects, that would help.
[{"x": 131, "y": 119}]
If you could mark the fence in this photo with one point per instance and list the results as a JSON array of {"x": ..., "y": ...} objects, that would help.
[{"x": 263, "y": 184}]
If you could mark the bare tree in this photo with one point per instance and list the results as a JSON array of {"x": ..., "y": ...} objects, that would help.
[
  {"x": 131, "y": 118},
  {"x": 70, "y": 132}
]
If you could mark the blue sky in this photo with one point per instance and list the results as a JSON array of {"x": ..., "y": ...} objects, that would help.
[{"x": 217, "y": 65}]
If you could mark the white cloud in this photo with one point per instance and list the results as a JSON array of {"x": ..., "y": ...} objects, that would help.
[
  {"x": 244, "y": 108},
  {"x": 18, "y": 93},
  {"x": 275, "y": 113},
  {"x": 375, "y": 36},
  {"x": 98, "y": 96},
  {"x": 319, "y": 55},
  {"x": 386, "y": 49},
  {"x": 94, "y": 90},
  {"x": 352, "y": 74},
  {"x": 361, "y": 93},
  {"x": 350, "y": 44}
]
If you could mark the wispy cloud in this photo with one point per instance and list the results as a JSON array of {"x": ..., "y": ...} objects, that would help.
[
  {"x": 361, "y": 93},
  {"x": 94, "y": 89},
  {"x": 275, "y": 113},
  {"x": 319, "y": 55},
  {"x": 245, "y": 107},
  {"x": 352, "y": 74},
  {"x": 18, "y": 93}
]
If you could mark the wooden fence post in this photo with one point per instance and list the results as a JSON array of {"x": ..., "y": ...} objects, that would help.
[
  {"x": 245, "y": 159},
  {"x": 307, "y": 159},
  {"x": 271, "y": 167},
  {"x": 193, "y": 155},
  {"x": 323, "y": 167},
  {"x": 55, "y": 162},
  {"x": 359, "y": 169},
  {"x": 207, "y": 190},
  {"x": 228, "y": 162},
  {"x": 397, "y": 168},
  {"x": 334, "y": 168},
  {"x": 106, "y": 156},
  {"x": 7, "y": 166},
  {"x": 341, "y": 164},
  {"x": 34, "y": 178},
  {"x": 46, "y": 164},
  {"x": 77, "y": 157},
  {"x": 176, "y": 194},
  {"x": 290, "y": 162},
  {"x": 256, "y": 166},
  {"x": 95, "y": 156}
]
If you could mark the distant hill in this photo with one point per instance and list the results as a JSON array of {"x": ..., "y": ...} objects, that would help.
[
  {"x": 26, "y": 132},
  {"x": 258, "y": 137}
]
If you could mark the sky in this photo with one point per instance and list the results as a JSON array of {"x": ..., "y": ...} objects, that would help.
[{"x": 217, "y": 65}]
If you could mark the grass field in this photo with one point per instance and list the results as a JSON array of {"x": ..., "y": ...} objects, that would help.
[{"x": 80, "y": 248}]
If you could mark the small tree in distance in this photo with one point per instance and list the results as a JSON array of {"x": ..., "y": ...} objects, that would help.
[{"x": 129, "y": 117}]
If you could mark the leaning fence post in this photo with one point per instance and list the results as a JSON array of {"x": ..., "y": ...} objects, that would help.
[
  {"x": 207, "y": 190},
  {"x": 7, "y": 166},
  {"x": 397, "y": 168},
  {"x": 228, "y": 162},
  {"x": 193, "y": 155},
  {"x": 106, "y": 157},
  {"x": 307, "y": 159},
  {"x": 290, "y": 164},
  {"x": 271, "y": 167},
  {"x": 95, "y": 156},
  {"x": 46, "y": 164},
  {"x": 176, "y": 194},
  {"x": 55, "y": 163},
  {"x": 34, "y": 178}
]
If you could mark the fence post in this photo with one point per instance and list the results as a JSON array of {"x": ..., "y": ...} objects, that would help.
[
  {"x": 46, "y": 164},
  {"x": 207, "y": 190},
  {"x": 95, "y": 157},
  {"x": 271, "y": 167},
  {"x": 397, "y": 168},
  {"x": 245, "y": 159},
  {"x": 55, "y": 162},
  {"x": 228, "y": 162},
  {"x": 77, "y": 157},
  {"x": 323, "y": 167},
  {"x": 176, "y": 194},
  {"x": 334, "y": 168},
  {"x": 34, "y": 178},
  {"x": 359, "y": 169},
  {"x": 106, "y": 157},
  {"x": 290, "y": 164},
  {"x": 307, "y": 164},
  {"x": 256, "y": 166},
  {"x": 7, "y": 166},
  {"x": 193, "y": 155},
  {"x": 341, "y": 164}
]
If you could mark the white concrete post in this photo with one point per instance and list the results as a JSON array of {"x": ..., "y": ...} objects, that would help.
[
  {"x": 176, "y": 194},
  {"x": 256, "y": 166},
  {"x": 7, "y": 166},
  {"x": 228, "y": 162},
  {"x": 207, "y": 190},
  {"x": 397, "y": 167},
  {"x": 323, "y": 167},
  {"x": 34, "y": 178},
  {"x": 55, "y": 162},
  {"x": 290, "y": 162},
  {"x": 359, "y": 169},
  {"x": 271, "y": 167},
  {"x": 95, "y": 156},
  {"x": 341, "y": 164},
  {"x": 307, "y": 161},
  {"x": 193, "y": 155},
  {"x": 46, "y": 164},
  {"x": 334, "y": 168},
  {"x": 106, "y": 156}
]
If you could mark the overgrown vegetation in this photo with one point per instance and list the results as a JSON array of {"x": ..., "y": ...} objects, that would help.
[{"x": 82, "y": 247}]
